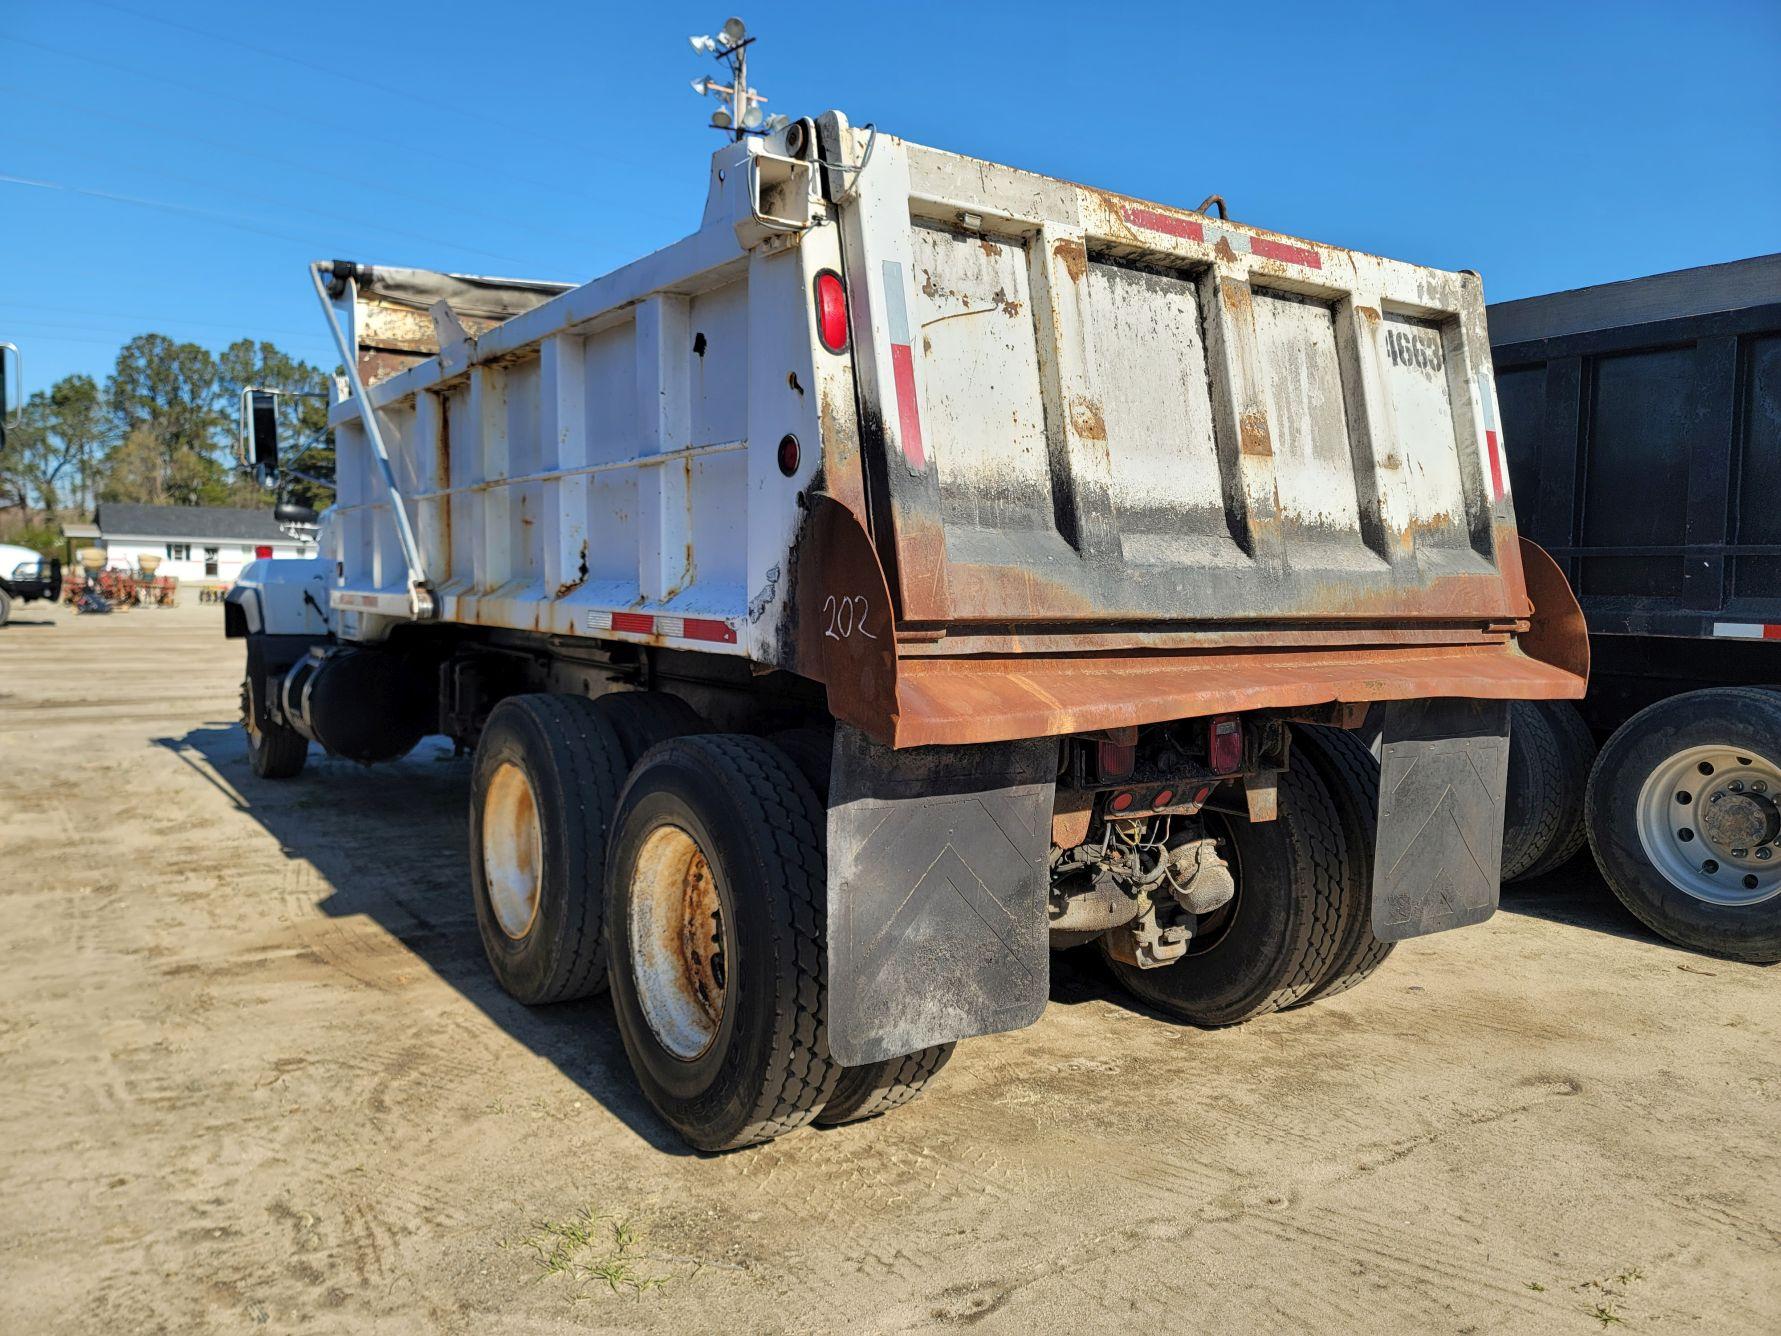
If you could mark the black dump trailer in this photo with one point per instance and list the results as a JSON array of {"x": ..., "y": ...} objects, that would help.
[{"x": 1642, "y": 425}]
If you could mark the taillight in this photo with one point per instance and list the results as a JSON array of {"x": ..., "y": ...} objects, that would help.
[
  {"x": 1224, "y": 744},
  {"x": 831, "y": 311}
]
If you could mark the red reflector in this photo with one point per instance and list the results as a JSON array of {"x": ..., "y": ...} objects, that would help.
[
  {"x": 1120, "y": 801},
  {"x": 1164, "y": 798},
  {"x": 1224, "y": 743},
  {"x": 263, "y": 551},
  {"x": 1113, "y": 760},
  {"x": 831, "y": 311},
  {"x": 788, "y": 454}
]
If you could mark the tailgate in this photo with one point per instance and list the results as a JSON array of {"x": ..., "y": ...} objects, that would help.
[{"x": 1093, "y": 408}]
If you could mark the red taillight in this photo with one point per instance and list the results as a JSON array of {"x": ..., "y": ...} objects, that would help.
[
  {"x": 1121, "y": 800},
  {"x": 263, "y": 551},
  {"x": 1224, "y": 744},
  {"x": 831, "y": 311},
  {"x": 1114, "y": 760}
]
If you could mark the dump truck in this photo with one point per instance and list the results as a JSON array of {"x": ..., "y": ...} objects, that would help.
[
  {"x": 923, "y": 565},
  {"x": 1644, "y": 417}
]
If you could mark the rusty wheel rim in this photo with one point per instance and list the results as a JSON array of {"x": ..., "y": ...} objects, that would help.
[
  {"x": 512, "y": 850},
  {"x": 676, "y": 934}
]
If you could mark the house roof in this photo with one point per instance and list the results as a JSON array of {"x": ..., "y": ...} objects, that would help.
[{"x": 229, "y": 523}]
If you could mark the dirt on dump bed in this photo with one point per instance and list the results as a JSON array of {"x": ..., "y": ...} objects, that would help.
[{"x": 254, "y": 1075}]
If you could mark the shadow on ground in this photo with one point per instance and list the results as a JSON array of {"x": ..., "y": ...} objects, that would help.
[{"x": 388, "y": 845}]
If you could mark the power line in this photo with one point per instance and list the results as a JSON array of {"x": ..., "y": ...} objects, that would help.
[
  {"x": 357, "y": 80},
  {"x": 260, "y": 155},
  {"x": 357, "y": 133},
  {"x": 299, "y": 208}
]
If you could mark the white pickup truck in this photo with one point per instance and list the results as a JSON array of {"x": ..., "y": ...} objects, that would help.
[{"x": 921, "y": 565}]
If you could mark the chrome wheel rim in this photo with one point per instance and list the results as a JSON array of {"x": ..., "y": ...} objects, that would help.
[
  {"x": 676, "y": 934},
  {"x": 1709, "y": 819},
  {"x": 512, "y": 850}
]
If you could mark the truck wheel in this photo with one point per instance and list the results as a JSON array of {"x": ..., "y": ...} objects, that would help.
[
  {"x": 717, "y": 892},
  {"x": 543, "y": 787},
  {"x": 1277, "y": 938},
  {"x": 1532, "y": 808},
  {"x": 1684, "y": 817},
  {"x": 5, "y": 607},
  {"x": 878, "y": 1087},
  {"x": 809, "y": 750},
  {"x": 1350, "y": 772},
  {"x": 1576, "y": 753},
  {"x": 643, "y": 718},
  {"x": 273, "y": 751}
]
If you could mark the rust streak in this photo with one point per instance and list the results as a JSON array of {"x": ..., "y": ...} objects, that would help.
[
  {"x": 1252, "y": 434},
  {"x": 1073, "y": 255}
]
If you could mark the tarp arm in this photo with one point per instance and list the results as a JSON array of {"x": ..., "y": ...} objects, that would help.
[{"x": 420, "y": 598}]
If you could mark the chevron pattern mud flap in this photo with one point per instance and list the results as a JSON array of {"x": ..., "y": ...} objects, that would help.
[
  {"x": 937, "y": 871},
  {"x": 1444, "y": 767}
]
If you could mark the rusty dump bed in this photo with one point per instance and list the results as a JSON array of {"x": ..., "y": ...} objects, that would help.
[
  {"x": 1071, "y": 460},
  {"x": 1124, "y": 463}
]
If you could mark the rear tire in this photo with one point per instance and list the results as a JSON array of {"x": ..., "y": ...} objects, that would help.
[
  {"x": 1350, "y": 772},
  {"x": 1576, "y": 754},
  {"x": 717, "y": 894},
  {"x": 543, "y": 787},
  {"x": 643, "y": 718},
  {"x": 5, "y": 607},
  {"x": 1637, "y": 811},
  {"x": 1533, "y": 811},
  {"x": 878, "y": 1087},
  {"x": 1279, "y": 937},
  {"x": 273, "y": 750}
]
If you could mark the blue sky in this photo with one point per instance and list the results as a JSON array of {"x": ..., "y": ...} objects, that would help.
[{"x": 1545, "y": 145}]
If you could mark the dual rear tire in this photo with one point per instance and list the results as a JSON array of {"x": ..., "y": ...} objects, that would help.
[{"x": 614, "y": 842}]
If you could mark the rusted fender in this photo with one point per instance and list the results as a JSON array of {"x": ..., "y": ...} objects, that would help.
[
  {"x": 1557, "y": 633},
  {"x": 846, "y": 640}
]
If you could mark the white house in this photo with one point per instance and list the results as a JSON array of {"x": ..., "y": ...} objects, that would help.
[{"x": 197, "y": 544}]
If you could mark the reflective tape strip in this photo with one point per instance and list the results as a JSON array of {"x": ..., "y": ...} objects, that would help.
[
  {"x": 1748, "y": 630},
  {"x": 1238, "y": 243},
  {"x": 896, "y": 314},
  {"x": 1493, "y": 448},
  {"x": 667, "y": 625}
]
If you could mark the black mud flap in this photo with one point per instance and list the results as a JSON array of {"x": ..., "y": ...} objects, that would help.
[
  {"x": 937, "y": 872},
  {"x": 1444, "y": 767}
]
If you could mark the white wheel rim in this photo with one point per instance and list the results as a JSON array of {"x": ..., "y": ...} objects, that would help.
[
  {"x": 512, "y": 850},
  {"x": 1709, "y": 819},
  {"x": 676, "y": 934}
]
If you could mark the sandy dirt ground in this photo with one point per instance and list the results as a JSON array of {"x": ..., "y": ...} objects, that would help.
[{"x": 254, "y": 1075}]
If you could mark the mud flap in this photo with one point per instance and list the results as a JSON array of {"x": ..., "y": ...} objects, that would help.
[
  {"x": 1444, "y": 767},
  {"x": 937, "y": 872}
]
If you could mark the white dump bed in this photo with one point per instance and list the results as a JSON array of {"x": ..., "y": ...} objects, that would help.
[{"x": 1065, "y": 417}]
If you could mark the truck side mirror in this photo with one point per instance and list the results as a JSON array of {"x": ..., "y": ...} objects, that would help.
[
  {"x": 259, "y": 431},
  {"x": 12, "y": 388}
]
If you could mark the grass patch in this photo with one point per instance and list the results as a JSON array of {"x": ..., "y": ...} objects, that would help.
[{"x": 594, "y": 1250}]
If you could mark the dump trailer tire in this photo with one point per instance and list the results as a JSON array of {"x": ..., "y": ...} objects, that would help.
[
  {"x": 273, "y": 750},
  {"x": 1533, "y": 811},
  {"x": 878, "y": 1087},
  {"x": 643, "y": 718},
  {"x": 1662, "y": 773},
  {"x": 1576, "y": 754},
  {"x": 543, "y": 787},
  {"x": 717, "y": 896},
  {"x": 811, "y": 750},
  {"x": 1350, "y": 772},
  {"x": 1283, "y": 928}
]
